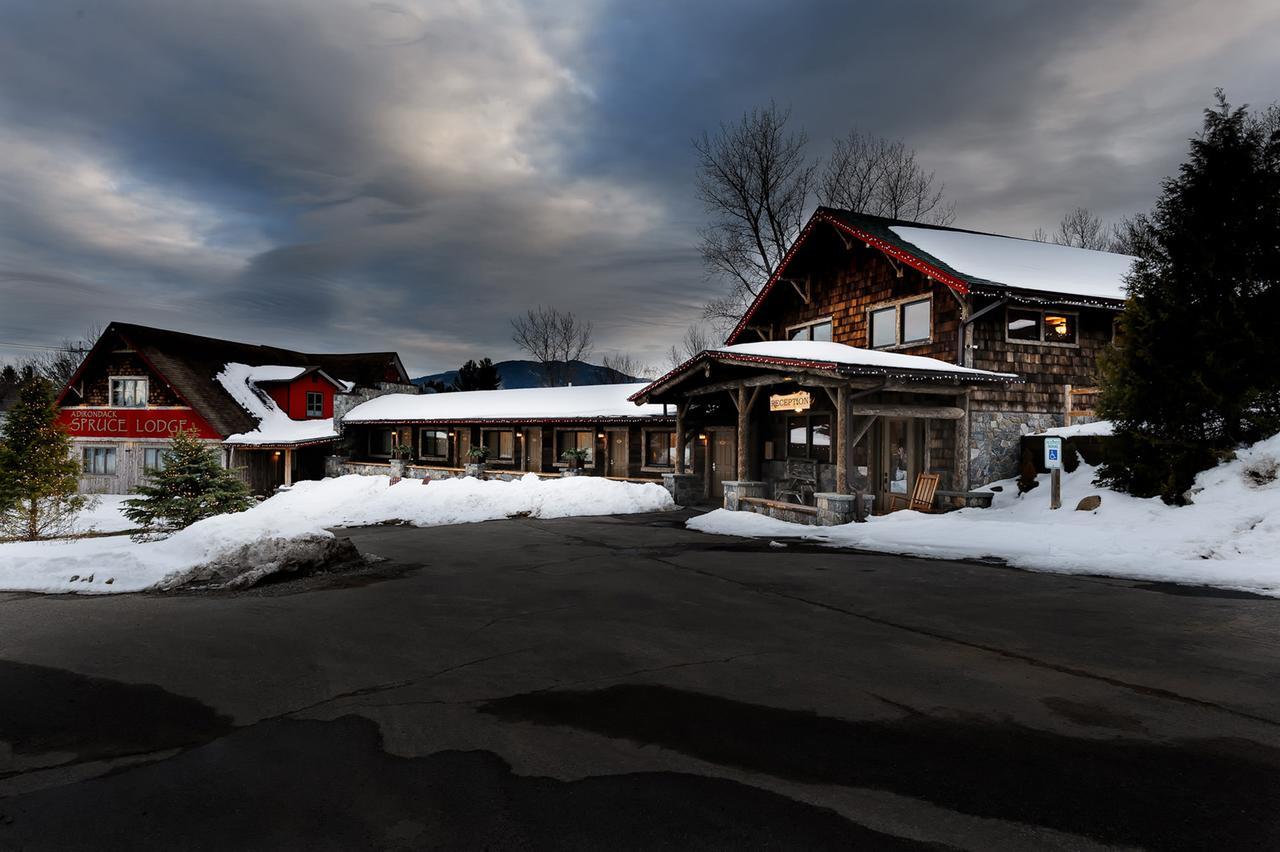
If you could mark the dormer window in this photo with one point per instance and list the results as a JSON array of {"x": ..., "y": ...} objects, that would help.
[
  {"x": 315, "y": 404},
  {"x": 129, "y": 392}
]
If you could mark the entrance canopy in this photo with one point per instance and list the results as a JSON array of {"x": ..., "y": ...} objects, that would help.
[{"x": 815, "y": 360}]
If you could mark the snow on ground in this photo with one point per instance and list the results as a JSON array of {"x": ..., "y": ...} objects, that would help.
[
  {"x": 105, "y": 513},
  {"x": 1229, "y": 537},
  {"x": 1081, "y": 430},
  {"x": 306, "y": 511}
]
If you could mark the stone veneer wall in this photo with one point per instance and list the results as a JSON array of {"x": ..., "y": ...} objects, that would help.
[
  {"x": 337, "y": 466},
  {"x": 995, "y": 442}
]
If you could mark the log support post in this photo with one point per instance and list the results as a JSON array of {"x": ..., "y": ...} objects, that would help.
[
  {"x": 962, "y": 446},
  {"x": 680, "y": 411},
  {"x": 288, "y": 467},
  {"x": 843, "y": 449}
]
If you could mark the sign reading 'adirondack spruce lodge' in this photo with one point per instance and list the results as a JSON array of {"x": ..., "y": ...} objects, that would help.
[{"x": 798, "y": 401}]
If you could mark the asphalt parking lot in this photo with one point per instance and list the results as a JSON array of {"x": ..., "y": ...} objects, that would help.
[{"x": 625, "y": 683}]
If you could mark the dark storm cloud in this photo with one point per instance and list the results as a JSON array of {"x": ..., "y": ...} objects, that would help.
[{"x": 410, "y": 175}]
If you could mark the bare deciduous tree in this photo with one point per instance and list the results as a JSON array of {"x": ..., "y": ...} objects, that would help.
[
  {"x": 1082, "y": 229},
  {"x": 618, "y": 368},
  {"x": 755, "y": 180},
  {"x": 696, "y": 338},
  {"x": 554, "y": 338},
  {"x": 1129, "y": 234},
  {"x": 879, "y": 176}
]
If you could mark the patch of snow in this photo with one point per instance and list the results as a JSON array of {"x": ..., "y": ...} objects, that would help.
[
  {"x": 579, "y": 402},
  {"x": 304, "y": 512},
  {"x": 105, "y": 513},
  {"x": 1228, "y": 538},
  {"x": 275, "y": 427},
  {"x": 1025, "y": 264},
  {"x": 839, "y": 353},
  {"x": 1080, "y": 430}
]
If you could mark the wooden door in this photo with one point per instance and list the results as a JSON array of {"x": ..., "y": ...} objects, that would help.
[
  {"x": 533, "y": 449},
  {"x": 619, "y": 454},
  {"x": 463, "y": 440},
  {"x": 900, "y": 459},
  {"x": 724, "y": 461}
]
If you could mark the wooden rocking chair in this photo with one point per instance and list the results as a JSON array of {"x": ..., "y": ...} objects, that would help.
[{"x": 921, "y": 499}]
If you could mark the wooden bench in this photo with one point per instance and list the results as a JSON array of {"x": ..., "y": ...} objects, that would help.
[{"x": 781, "y": 505}]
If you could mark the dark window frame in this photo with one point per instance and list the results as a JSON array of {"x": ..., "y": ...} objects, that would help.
[
  {"x": 318, "y": 411},
  {"x": 897, "y": 308},
  {"x": 808, "y": 418},
  {"x": 808, "y": 328},
  {"x": 1041, "y": 326},
  {"x": 422, "y": 447},
  {"x": 89, "y": 456},
  {"x": 590, "y": 461}
]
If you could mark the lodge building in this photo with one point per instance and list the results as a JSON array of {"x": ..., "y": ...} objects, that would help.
[{"x": 269, "y": 410}]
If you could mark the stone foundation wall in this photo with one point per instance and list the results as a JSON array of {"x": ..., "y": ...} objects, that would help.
[{"x": 995, "y": 442}]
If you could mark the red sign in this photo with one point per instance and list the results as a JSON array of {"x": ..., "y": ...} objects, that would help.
[{"x": 133, "y": 422}]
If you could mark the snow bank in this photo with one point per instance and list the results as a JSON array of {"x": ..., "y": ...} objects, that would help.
[
  {"x": 1229, "y": 537},
  {"x": 301, "y": 516},
  {"x": 1080, "y": 430},
  {"x": 104, "y": 514}
]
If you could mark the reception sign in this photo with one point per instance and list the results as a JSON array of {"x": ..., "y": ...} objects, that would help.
[
  {"x": 798, "y": 401},
  {"x": 133, "y": 422}
]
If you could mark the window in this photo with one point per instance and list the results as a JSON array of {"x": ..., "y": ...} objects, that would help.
[
  {"x": 900, "y": 323},
  {"x": 816, "y": 330},
  {"x": 502, "y": 445},
  {"x": 576, "y": 441},
  {"x": 884, "y": 328},
  {"x": 100, "y": 461},
  {"x": 129, "y": 392},
  {"x": 433, "y": 444},
  {"x": 315, "y": 404},
  {"x": 381, "y": 442},
  {"x": 1029, "y": 326},
  {"x": 153, "y": 458},
  {"x": 809, "y": 437},
  {"x": 659, "y": 449},
  {"x": 915, "y": 322}
]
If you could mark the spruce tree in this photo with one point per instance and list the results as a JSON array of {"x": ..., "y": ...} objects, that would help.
[
  {"x": 192, "y": 485},
  {"x": 1194, "y": 373},
  {"x": 477, "y": 375},
  {"x": 38, "y": 476}
]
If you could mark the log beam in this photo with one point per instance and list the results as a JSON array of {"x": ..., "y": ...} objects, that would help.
[
  {"x": 744, "y": 424},
  {"x": 941, "y": 412}
]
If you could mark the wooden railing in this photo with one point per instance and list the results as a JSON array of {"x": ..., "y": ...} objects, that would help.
[{"x": 1078, "y": 402}]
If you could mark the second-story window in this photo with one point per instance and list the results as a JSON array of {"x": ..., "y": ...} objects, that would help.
[
  {"x": 129, "y": 392},
  {"x": 315, "y": 404},
  {"x": 816, "y": 330},
  {"x": 903, "y": 323}
]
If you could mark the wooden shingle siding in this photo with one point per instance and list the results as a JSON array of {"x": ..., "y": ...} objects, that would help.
[{"x": 97, "y": 380}]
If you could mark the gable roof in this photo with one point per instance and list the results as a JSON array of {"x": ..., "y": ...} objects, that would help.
[
  {"x": 830, "y": 357},
  {"x": 190, "y": 364},
  {"x": 972, "y": 261}
]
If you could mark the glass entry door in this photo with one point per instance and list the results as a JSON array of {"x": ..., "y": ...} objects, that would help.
[{"x": 901, "y": 458}]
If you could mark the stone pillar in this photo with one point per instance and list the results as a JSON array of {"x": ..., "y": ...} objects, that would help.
[
  {"x": 735, "y": 490},
  {"x": 333, "y": 466},
  {"x": 684, "y": 488},
  {"x": 835, "y": 509}
]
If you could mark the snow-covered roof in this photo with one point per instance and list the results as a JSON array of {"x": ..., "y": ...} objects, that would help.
[
  {"x": 837, "y": 357},
  {"x": 581, "y": 402},
  {"x": 839, "y": 354},
  {"x": 1024, "y": 264},
  {"x": 275, "y": 427}
]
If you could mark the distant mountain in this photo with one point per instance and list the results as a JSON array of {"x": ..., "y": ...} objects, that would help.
[{"x": 528, "y": 374}]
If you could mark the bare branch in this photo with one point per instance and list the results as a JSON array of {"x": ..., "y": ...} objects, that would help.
[
  {"x": 879, "y": 176},
  {"x": 555, "y": 339}
]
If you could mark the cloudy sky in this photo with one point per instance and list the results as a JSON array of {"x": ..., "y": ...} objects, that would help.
[{"x": 333, "y": 175}]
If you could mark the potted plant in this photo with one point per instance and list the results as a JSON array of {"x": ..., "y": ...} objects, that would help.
[
  {"x": 477, "y": 457},
  {"x": 574, "y": 459},
  {"x": 400, "y": 459}
]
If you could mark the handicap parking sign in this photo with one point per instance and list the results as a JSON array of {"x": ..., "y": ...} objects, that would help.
[{"x": 1052, "y": 453}]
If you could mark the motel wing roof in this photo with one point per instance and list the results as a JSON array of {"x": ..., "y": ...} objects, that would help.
[
  {"x": 581, "y": 402},
  {"x": 833, "y": 357}
]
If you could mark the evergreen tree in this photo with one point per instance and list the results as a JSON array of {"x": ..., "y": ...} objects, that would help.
[
  {"x": 477, "y": 375},
  {"x": 1194, "y": 375},
  {"x": 191, "y": 485},
  {"x": 38, "y": 477}
]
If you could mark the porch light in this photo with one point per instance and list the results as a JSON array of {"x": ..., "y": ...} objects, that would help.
[
  {"x": 702, "y": 437},
  {"x": 599, "y": 434}
]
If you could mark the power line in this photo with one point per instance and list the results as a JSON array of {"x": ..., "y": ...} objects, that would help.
[{"x": 77, "y": 349}]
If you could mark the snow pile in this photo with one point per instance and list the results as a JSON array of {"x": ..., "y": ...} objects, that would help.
[
  {"x": 274, "y": 426},
  {"x": 105, "y": 513},
  {"x": 289, "y": 529},
  {"x": 579, "y": 402},
  {"x": 1025, "y": 264},
  {"x": 1101, "y": 428},
  {"x": 1229, "y": 537}
]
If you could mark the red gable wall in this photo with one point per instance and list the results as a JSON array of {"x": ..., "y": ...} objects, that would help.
[{"x": 292, "y": 396}]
